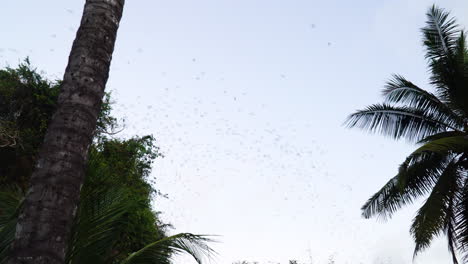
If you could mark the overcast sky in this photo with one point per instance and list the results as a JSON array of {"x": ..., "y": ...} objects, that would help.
[{"x": 247, "y": 99}]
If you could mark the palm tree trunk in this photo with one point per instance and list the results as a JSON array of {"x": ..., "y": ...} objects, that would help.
[{"x": 45, "y": 220}]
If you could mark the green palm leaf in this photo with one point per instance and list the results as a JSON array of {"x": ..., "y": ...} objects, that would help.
[
  {"x": 450, "y": 231},
  {"x": 454, "y": 144},
  {"x": 459, "y": 78},
  {"x": 398, "y": 90},
  {"x": 160, "y": 251},
  {"x": 96, "y": 229},
  {"x": 462, "y": 216},
  {"x": 437, "y": 214},
  {"x": 10, "y": 198},
  {"x": 96, "y": 226},
  {"x": 7, "y": 234},
  {"x": 415, "y": 178},
  {"x": 10, "y": 202},
  {"x": 442, "y": 135},
  {"x": 461, "y": 50},
  {"x": 439, "y": 34},
  {"x": 446, "y": 52},
  {"x": 400, "y": 121}
]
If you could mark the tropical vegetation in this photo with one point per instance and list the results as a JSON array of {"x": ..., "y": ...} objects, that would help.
[
  {"x": 115, "y": 222},
  {"x": 437, "y": 120},
  {"x": 50, "y": 204}
]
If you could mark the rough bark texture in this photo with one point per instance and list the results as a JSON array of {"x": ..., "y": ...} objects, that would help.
[{"x": 50, "y": 204}]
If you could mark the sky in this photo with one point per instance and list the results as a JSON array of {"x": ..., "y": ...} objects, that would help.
[{"x": 247, "y": 101}]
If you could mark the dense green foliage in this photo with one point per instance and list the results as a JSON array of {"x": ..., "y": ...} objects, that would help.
[
  {"x": 27, "y": 102},
  {"x": 125, "y": 165},
  {"x": 115, "y": 222},
  {"x": 439, "y": 123}
]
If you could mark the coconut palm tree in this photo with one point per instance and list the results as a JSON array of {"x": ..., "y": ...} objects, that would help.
[
  {"x": 438, "y": 122},
  {"x": 50, "y": 205},
  {"x": 96, "y": 230}
]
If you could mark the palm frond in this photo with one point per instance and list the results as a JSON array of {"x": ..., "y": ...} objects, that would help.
[
  {"x": 461, "y": 53},
  {"x": 7, "y": 234},
  {"x": 161, "y": 250},
  {"x": 435, "y": 215},
  {"x": 11, "y": 198},
  {"x": 400, "y": 121},
  {"x": 439, "y": 34},
  {"x": 398, "y": 90},
  {"x": 462, "y": 215},
  {"x": 446, "y": 53},
  {"x": 442, "y": 135},
  {"x": 386, "y": 201},
  {"x": 454, "y": 144},
  {"x": 442, "y": 146},
  {"x": 415, "y": 178},
  {"x": 459, "y": 78},
  {"x": 96, "y": 226},
  {"x": 450, "y": 231}
]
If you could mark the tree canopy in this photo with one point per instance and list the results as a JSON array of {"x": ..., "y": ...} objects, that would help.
[
  {"x": 115, "y": 222},
  {"x": 438, "y": 122}
]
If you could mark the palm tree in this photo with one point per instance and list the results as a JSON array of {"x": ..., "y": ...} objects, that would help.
[
  {"x": 96, "y": 230},
  {"x": 50, "y": 205},
  {"x": 438, "y": 122}
]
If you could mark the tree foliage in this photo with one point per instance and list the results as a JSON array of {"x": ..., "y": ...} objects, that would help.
[
  {"x": 438, "y": 122},
  {"x": 115, "y": 222}
]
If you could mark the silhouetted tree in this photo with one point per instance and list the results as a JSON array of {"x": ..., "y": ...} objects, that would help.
[
  {"x": 439, "y": 123},
  {"x": 50, "y": 205}
]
